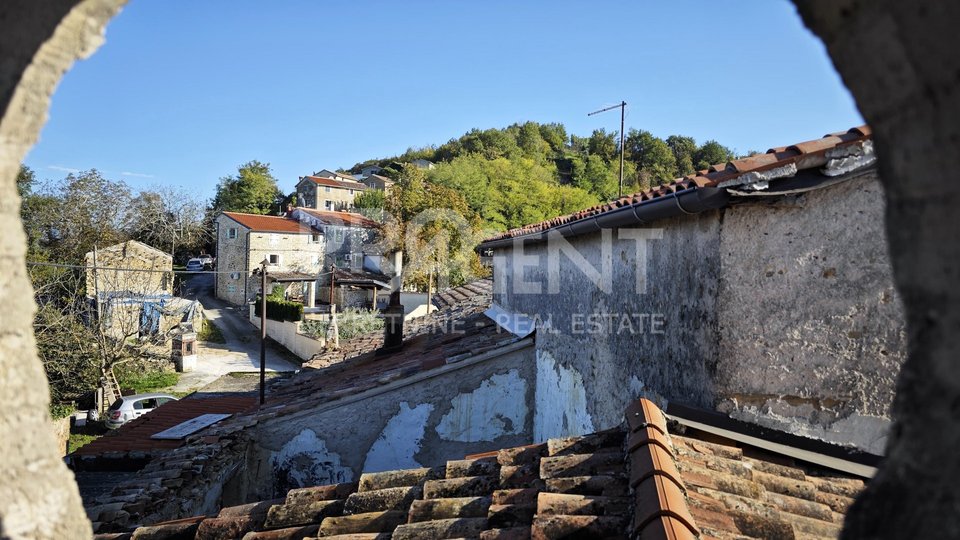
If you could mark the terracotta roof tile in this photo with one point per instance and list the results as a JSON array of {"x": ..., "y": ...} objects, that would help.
[
  {"x": 330, "y": 182},
  {"x": 346, "y": 219},
  {"x": 259, "y": 223},
  {"x": 576, "y": 486},
  {"x": 711, "y": 177}
]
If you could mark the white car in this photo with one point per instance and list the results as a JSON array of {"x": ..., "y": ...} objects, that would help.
[
  {"x": 194, "y": 265},
  {"x": 127, "y": 408}
]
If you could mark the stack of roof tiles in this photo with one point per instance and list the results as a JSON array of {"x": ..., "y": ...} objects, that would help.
[
  {"x": 477, "y": 292},
  {"x": 642, "y": 481},
  {"x": 804, "y": 155}
]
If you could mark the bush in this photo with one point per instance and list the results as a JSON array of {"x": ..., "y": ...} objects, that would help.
[
  {"x": 210, "y": 333},
  {"x": 280, "y": 310},
  {"x": 351, "y": 322}
]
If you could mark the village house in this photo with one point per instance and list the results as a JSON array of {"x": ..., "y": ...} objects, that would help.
[
  {"x": 328, "y": 190},
  {"x": 292, "y": 248},
  {"x": 367, "y": 170},
  {"x": 109, "y": 270},
  {"x": 760, "y": 288},
  {"x": 378, "y": 182}
]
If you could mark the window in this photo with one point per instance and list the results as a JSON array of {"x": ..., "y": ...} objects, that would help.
[
  {"x": 231, "y": 288},
  {"x": 232, "y": 232},
  {"x": 328, "y": 204},
  {"x": 339, "y": 236},
  {"x": 327, "y": 189},
  {"x": 315, "y": 238},
  {"x": 357, "y": 260},
  {"x": 274, "y": 259},
  {"x": 351, "y": 192},
  {"x": 235, "y": 275}
]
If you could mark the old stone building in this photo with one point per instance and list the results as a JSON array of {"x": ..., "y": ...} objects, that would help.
[
  {"x": 129, "y": 268},
  {"x": 761, "y": 288},
  {"x": 245, "y": 240},
  {"x": 328, "y": 191}
]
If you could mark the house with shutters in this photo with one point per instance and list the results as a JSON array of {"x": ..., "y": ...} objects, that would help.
[
  {"x": 327, "y": 190},
  {"x": 300, "y": 246}
]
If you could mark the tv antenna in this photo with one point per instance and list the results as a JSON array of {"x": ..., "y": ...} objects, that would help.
[{"x": 623, "y": 106}]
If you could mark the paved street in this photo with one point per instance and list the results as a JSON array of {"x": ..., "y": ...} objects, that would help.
[{"x": 240, "y": 353}]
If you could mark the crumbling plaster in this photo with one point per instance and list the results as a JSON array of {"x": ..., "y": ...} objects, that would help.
[
  {"x": 480, "y": 407},
  {"x": 811, "y": 327},
  {"x": 777, "y": 310}
]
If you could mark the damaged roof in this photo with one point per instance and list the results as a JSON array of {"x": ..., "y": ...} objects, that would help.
[
  {"x": 835, "y": 154},
  {"x": 343, "y": 219},
  {"x": 479, "y": 291},
  {"x": 647, "y": 479}
]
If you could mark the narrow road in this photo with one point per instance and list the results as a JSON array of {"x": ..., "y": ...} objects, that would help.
[{"x": 240, "y": 353}]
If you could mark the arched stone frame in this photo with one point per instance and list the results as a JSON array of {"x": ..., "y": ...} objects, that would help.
[{"x": 900, "y": 61}]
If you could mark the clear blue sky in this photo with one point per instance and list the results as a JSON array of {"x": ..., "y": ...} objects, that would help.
[{"x": 185, "y": 91}]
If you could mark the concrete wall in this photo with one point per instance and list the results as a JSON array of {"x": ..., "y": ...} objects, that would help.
[
  {"x": 780, "y": 312},
  {"x": 812, "y": 332},
  {"x": 288, "y": 334},
  {"x": 662, "y": 339},
  {"x": 415, "y": 422}
]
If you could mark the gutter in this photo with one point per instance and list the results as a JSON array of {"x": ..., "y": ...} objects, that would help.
[{"x": 688, "y": 201}]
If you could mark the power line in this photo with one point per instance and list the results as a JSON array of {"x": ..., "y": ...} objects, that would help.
[{"x": 144, "y": 270}]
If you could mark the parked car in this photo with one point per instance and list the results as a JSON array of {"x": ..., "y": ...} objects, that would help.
[
  {"x": 127, "y": 408},
  {"x": 194, "y": 265},
  {"x": 207, "y": 261}
]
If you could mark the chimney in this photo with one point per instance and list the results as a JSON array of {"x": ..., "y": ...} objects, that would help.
[{"x": 393, "y": 325}]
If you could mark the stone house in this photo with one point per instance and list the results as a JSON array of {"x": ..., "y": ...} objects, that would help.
[
  {"x": 112, "y": 273},
  {"x": 245, "y": 240},
  {"x": 760, "y": 288},
  {"x": 331, "y": 193},
  {"x": 378, "y": 182}
]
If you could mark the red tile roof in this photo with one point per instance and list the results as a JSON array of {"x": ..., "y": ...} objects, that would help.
[
  {"x": 645, "y": 481},
  {"x": 345, "y": 219},
  {"x": 260, "y": 223},
  {"x": 804, "y": 155},
  {"x": 480, "y": 290},
  {"x": 134, "y": 436},
  {"x": 330, "y": 182}
]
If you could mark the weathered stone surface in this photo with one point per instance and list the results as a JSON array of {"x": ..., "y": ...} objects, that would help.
[
  {"x": 459, "y": 487},
  {"x": 183, "y": 529},
  {"x": 403, "y": 478},
  {"x": 610, "y": 486},
  {"x": 459, "y": 507},
  {"x": 290, "y": 533},
  {"x": 224, "y": 528},
  {"x": 371, "y": 522},
  {"x": 522, "y": 455},
  {"x": 555, "y": 504},
  {"x": 522, "y": 476},
  {"x": 504, "y": 516},
  {"x": 444, "y": 528},
  {"x": 611, "y": 438},
  {"x": 290, "y": 515},
  {"x": 398, "y": 498},
  {"x": 515, "y": 496},
  {"x": 320, "y": 493},
  {"x": 515, "y": 533},
  {"x": 472, "y": 467},
  {"x": 606, "y": 463},
  {"x": 552, "y": 527}
]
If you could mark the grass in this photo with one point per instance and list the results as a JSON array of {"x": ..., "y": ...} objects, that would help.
[
  {"x": 144, "y": 378},
  {"x": 80, "y": 439},
  {"x": 210, "y": 333}
]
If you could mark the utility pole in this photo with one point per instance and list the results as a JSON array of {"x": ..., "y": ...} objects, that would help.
[
  {"x": 96, "y": 287},
  {"x": 623, "y": 106},
  {"x": 263, "y": 328}
]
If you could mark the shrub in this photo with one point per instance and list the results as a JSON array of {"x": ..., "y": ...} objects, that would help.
[
  {"x": 351, "y": 322},
  {"x": 280, "y": 310}
]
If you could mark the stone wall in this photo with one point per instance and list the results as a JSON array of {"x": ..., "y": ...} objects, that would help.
[
  {"x": 157, "y": 277},
  {"x": 780, "y": 312},
  {"x": 232, "y": 258},
  {"x": 424, "y": 420}
]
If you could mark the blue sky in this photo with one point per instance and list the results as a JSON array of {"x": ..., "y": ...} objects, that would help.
[{"x": 183, "y": 92}]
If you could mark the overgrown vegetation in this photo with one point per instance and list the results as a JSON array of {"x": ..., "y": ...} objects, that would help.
[
  {"x": 351, "y": 322},
  {"x": 143, "y": 376},
  {"x": 210, "y": 333}
]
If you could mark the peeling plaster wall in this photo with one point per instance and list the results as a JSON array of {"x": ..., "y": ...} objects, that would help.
[
  {"x": 489, "y": 412},
  {"x": 812, "y": 332},
  {"x": 778, "y": 310},
  {"x": 561, "y": 401},
  {"x": 480, "y": 407},
  {"x": 400, "y": 440},
  {"x": 673, "y": 357}
]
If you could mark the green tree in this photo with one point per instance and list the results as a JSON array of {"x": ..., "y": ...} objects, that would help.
[
  {"x": 711, "y": 153},
  {"x": 25, "y": 180},
  {"x": 373, "y": 199},
  {"x": 602, "y": 144},
  {"x": 655, "y": 162},
  {"x": 531, "y": 142},
  {"x": 683, "y": 149},
  {"x": 253, "y": 190}
]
